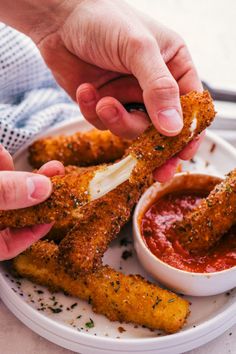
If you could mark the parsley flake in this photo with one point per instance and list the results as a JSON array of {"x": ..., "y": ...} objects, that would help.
[{"x": 89, "y": 324}]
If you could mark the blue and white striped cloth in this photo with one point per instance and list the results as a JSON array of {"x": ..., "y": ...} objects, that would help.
[{"x": 30, "y": 99}]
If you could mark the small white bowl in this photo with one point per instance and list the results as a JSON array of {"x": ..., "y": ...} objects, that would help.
[{"x": 188, "y": 283}]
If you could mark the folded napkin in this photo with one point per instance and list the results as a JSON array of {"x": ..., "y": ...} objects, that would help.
[{"x": 30, "y": 99}]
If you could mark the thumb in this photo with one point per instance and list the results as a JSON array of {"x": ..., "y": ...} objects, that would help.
[
  {"x": 160, "y": 90},
  {"x": 22, "y": 189}
]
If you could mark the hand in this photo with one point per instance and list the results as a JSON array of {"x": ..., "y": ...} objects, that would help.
[
  {"x": 112, "y": 54},
  {"x": 20, "y": 190},
  {"x": 104, "y": 54}
]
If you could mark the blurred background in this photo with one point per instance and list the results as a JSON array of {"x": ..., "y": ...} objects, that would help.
[{"x": 209, "y": 29}]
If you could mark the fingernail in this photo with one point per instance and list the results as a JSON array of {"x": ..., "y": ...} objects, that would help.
[
  {"x": 110, "y": 114},
  {"x": 39, "y": 187},
  {"x": 87, "y": 96},
  {"x": 170, "y": 120}
]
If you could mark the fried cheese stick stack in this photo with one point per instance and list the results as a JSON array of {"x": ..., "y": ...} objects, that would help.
[
  {"x": 213, "y": 217},
  {"x": 100, "y": 222},
  {"x": 126, "y": 298},
  {"x": 83, "y": 149},
  {"x": 148, "y": 152}
]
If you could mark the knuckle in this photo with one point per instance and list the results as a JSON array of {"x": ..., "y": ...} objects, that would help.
[
  {"x": 165, "y": 86},
  {"x": 7, "y": 192},
  {"x": 187, "y": 65},
  {"x": 141, "y": 43},
  {"x": 185, "y": 59},
  {"x": 177, "y": 39},
  {"x": 174, "y": 39},
  {"x": 183, "y": 52}
]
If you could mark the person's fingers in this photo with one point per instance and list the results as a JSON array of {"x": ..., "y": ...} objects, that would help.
[
  {"x": 66, "y": 68},
  {"x": 23, "y": 189},
  {"x": 15, "y": 241},
  {"x": 115, "y": 88},
  {"x": 115, "y": 117},
  {"x": 190, "y": 150},
  {"x": 167, "y": 171},
  {"x": 183, "y": 70},
  {"x": 160, "y": 90},
  {"x": 125, "y": 89},
  {"x": 87, "y": 97},
  {"x": 52, "y": 168},
  {"x": 6, "y": 161}
]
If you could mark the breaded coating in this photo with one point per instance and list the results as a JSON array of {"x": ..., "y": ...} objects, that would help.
[
  {"x": 153, "y": 150},
  {"x": 211, "y": 219},
  {"x": 69, "y": 194},
  {"x": 77, "y": 169},
  {"x": 125, "y": 298},
  {"x": 83, "y": 149},
  {"x": 64, "y": 225},
  {"x": 100, "y": 222}
]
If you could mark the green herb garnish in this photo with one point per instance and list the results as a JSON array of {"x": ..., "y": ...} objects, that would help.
[
  {"x": 209, "y": 203},
  {"x": 159, "y": 148},
  {"x": 73, "y": 305},
  {"x": 157, "y": 302},
  {"x": 89, "y": 324},
  {"x": 57, "y": 310}
]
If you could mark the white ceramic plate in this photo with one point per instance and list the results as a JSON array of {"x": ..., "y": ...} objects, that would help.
[{"x": 35, "y": 306}]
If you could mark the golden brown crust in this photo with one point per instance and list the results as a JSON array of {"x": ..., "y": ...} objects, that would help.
[
  {"x": 127, "y": 298},
  {"x": 203, "y": 227},
  {"x": 83, "y": 247},
  {"x": 78, "y": 170},
  {"x": 69, "y": 194},
  {"x": 153, "y": 150},
  {"x": 64, "y": 225},
  {"x": 83, "y": 149}
]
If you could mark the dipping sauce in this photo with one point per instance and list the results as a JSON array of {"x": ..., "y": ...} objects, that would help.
[{"x": 156, "y": 223}]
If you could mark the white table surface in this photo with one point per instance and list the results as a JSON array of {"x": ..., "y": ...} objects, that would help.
[{"x": 209, "y": 28}]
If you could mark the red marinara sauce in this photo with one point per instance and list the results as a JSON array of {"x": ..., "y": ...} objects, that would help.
[{"x": 158, "y": 219}]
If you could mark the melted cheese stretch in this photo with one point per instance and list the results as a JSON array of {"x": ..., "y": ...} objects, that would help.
[
  {"x": 110, "y": 177},
  {"x": 152, "y": 150}
]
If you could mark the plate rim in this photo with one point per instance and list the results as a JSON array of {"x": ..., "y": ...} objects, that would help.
[{"x": 176, "y": 338}]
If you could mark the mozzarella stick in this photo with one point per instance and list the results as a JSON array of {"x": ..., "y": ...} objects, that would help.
[
  {"x": 62, "y": 226},
  {"x": 70, "y": 192},
  {"x": 83, "y": 149},
  {"x": 124, "y": 298},
  {"x": 152, "y": 150},
  {"x": 211, "y": 219},
  {"x": 100, "y": 222},
  {"x": 149, "y": 151}
]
